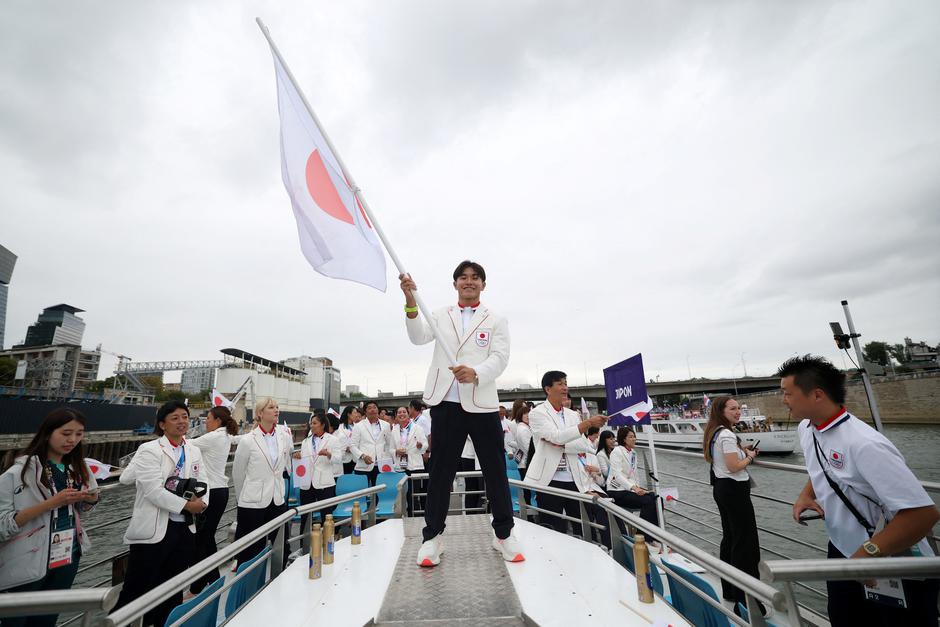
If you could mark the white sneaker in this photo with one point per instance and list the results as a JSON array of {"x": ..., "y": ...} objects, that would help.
[
  {"x": 430, "y": 552},
  {"x": 510, "y": 549}
]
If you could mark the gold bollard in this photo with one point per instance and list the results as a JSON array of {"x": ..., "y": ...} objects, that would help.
[
  {"x": 356, "y": 523},
  {"x": 316, "y": 552},
  {"x": 328, "y": 539},
  {"x": 641, "y": 559}
]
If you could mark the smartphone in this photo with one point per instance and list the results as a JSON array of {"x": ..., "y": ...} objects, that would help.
[{"x": 805, "y": 517}]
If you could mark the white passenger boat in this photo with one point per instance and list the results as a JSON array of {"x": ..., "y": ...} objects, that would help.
[{"x": 678, "y": 431}]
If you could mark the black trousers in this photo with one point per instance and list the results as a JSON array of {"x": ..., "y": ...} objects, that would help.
[
  {"x": 526, "y": 494},
  {"x": 348, "y": 467},
  {"x": 848, "y": 605},
  {"x": 740, "y": 545},
  {"x": 370, "y": 475},
  {"x": 452, "y": 425},
  {"x": 312, "y": 496},
  {"x": 60, "y": 578},
  {"x": 472, "y": 484},
  {"x": 149, "y": 565},
  {"x": 250, "y": 519},
  {"x": 559, "y": 505},
  {"x": 206, "y": 526},
  {"x": 628, "y": 499}
]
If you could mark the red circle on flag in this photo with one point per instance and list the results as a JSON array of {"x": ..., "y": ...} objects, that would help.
[
  {"x": 835, "y": 456},
  {"x": 217, "y": 401},
  {"x": 301, "y": 470},
  {"x": 322, "y": 190},
  {"x": 94, "y": 469}
]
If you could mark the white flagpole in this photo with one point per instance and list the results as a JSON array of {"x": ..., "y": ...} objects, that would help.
[
  {"x": 357, "y": 192},
  {"x": 659, "y": 501}
]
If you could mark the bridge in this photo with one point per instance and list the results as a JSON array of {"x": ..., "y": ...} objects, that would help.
[{"x": 597, "y": 393}]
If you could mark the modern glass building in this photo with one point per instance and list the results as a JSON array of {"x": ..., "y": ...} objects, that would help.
[
  {"x": 7, "y": 261},
  {"x": 56, "y": 325}
]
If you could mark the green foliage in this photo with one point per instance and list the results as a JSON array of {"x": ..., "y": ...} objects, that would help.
[{"x": 876, "y": 353}]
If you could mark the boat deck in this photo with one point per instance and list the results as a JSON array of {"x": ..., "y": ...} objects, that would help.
[{"x": 563, "y": 581}]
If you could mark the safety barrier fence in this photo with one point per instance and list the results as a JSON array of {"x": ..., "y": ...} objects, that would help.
[
  {"x": 929, "y": 486},
  {"x": 93, "y": 602}
]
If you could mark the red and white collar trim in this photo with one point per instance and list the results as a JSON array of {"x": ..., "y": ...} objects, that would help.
[
  {"x": 271, "y": 432},
  {"x": 833, "y": 420},
  {"x": 474, "y": 306}
]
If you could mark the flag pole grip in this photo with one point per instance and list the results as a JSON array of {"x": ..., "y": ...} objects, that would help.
[{"x": 358, "y": 194}]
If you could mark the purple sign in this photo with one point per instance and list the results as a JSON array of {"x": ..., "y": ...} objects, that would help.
[{"x": 626, "y": 389}]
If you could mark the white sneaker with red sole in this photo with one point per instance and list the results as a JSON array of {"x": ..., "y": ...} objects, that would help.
[
  {"x": 509, "y": 548},
  {"x": 430, "y": 552}
]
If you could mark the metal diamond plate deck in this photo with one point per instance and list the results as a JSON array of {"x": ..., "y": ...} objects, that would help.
[{"x": 469, "y": 587}]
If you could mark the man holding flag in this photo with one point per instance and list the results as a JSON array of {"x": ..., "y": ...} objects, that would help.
[{"x": 464, "y": 401}]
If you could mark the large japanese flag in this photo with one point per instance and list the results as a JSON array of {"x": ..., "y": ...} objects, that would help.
[{"x": 335, "y": 235}]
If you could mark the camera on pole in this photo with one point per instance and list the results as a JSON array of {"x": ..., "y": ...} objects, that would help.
[{"x": 842, "y": 339}]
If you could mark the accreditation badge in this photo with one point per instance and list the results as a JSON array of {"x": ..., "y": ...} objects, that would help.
[
  {"x": 60, "y": 548},
  {"x": 887, "y": 592}
]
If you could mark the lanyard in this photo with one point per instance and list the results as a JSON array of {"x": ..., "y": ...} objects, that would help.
[
  {"x": 68, "y": 484},
  {"x": 404, "y": 433},
  {"x": 181, "y": 462}
]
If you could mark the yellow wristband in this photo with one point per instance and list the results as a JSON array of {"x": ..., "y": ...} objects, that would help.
[{"x": 411, "y": 309}]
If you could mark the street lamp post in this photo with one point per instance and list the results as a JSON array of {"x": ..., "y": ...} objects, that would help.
[{"x": 734, "y": 380}]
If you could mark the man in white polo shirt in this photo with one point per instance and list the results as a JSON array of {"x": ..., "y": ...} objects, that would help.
[
  {"x": 857, "y": 480},
  {"x": 464, "y": 402}
]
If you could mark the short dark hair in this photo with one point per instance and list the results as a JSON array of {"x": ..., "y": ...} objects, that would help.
[
  {"x": 365, "y": 405},
  {"x": 417, "y": 405},
  {"x": 551, "y": 377},
  {"x": 592, "y": 430},
  {"x": 622, "y": 434},
  {"x": 812, "y": 372},
  {"x": 473, "y": 265},
  {"x": 165, "y": 410}
]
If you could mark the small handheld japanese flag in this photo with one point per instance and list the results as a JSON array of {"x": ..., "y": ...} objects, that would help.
[
  {"x": 706, "y": 401},
  {"x": 302, "y": 474},
  {"x": 218, "y": 400},
  {"x": 584, "y": 408},
  {"x": 100, "y": 470}
]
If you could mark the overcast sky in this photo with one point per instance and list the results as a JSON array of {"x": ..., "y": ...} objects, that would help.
[{"x": 693, "y": 181}]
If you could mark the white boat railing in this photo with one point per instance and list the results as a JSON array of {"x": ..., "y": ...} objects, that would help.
[{"x": 929, "y": 486}]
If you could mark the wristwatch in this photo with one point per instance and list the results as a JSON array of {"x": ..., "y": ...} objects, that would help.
[{"x": 871, "y": 549}]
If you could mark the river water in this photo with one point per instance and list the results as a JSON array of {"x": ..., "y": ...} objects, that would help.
[{"x": 920, "y": 445}]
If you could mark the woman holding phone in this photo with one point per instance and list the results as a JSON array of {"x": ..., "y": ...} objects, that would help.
[
  {"x": 43, "y": 495},
  {"x": 731, "y": 487}
]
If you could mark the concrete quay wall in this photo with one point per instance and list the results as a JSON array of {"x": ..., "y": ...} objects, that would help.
[{"x": 906, "y": 399}]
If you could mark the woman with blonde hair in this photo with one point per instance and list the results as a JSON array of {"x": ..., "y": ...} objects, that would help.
[
  {"x": 731, "y": 488},
  {"x": 262, "y": 459}
]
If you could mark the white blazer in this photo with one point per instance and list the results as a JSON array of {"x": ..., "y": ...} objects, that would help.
[
  {"x": 552, "y": 440},
  {"x": 365, "y": 443},
  {"x": 603, "y": 462},
  {"x": 215, "y": 447},
  {"x": 415, "y": 434},
  {"x": 149, "y": 469},
  {"x": 523, "y": 438},
  {"x": 323, "y": 475},
  {"x": 344, "y": 435},
  {"x": 484, "y": 347},
  {"x": 623, "y": 475},
  {"x": 258, "y": 481}
]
